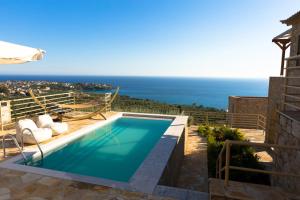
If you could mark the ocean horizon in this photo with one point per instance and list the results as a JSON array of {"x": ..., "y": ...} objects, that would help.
[{"x": 210, "y": 92}]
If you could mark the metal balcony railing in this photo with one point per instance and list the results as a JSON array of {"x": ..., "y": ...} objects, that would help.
[{"x": 27, "y": 108}]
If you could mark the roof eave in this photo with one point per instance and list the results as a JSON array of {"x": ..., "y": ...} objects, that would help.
[
  {"x": 288, "y": 22},
  {"x": 292, "y": 19}
]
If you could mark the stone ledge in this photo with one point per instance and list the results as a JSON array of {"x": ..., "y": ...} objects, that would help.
[{"x": 179, "y": 193}]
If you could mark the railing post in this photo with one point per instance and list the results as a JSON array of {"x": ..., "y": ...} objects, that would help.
[
  {"x": 257, "y": 122},
  {"x": 72, "y": 94},
  {"x": 44, "y": 98},
  {"x": 1, "y": 117},
  {"x": 16, "y": 143},
  {"x": 217, "y": 168},
  {"x": 220, "y": 166},
  {"x": 227, "y": 162},
  {"x": 37, "y": 143}
]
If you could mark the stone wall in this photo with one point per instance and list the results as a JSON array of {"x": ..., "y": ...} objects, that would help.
[
  {"x": 291, "y": 71},
  {"x": 274, "y": 104},
  {"x": 249, "y": 105},
  {"x": 287, "y": 161},
  {"x": 288, "y": 131},
  {"x": 294, "y": 48},
  {"x": 172, "y": 170}
]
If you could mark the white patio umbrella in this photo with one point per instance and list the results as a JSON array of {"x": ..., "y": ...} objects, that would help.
[{"x": 15, "y": 54}]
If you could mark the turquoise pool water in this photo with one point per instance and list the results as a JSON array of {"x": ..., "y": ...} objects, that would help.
[{"x": 113, "y": 151}]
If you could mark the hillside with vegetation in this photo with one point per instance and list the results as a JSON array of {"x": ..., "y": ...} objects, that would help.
[{"x": 130, "y": 104}]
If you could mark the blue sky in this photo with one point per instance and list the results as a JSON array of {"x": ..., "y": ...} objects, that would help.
[{"x": 202, "y": 38}]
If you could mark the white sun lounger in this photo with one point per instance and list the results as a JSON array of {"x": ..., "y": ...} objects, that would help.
[
  {"x": 40, "y": 134},
  {"x": 45, "y": 121}
]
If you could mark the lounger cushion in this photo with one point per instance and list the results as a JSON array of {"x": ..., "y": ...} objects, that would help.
[
  {"x": 41, "y": 134},
  {"x": 45, "y": 121},
  {"x": 59, "y": 128},
  {"x": 26, "y": 123}
]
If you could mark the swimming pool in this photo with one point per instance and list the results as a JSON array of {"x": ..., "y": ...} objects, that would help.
[
  {"x": 113, "y": 151},
  {"x": 131, "y": 151}
]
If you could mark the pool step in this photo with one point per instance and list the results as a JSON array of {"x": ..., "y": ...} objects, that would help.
[{"x": 179, "y": 193}]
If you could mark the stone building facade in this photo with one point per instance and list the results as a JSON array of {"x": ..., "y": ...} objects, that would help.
[
  {"x": 286, "y": 130},
  {"x": 274, "y": 104},
  {"x": 247, "y": 112},
  {"x": 248, "y": 105}
]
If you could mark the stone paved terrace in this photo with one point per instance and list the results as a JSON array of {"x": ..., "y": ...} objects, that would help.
[
  {"x": 192, "y": 181},
  {"x": 194, "y": 173},
  {"x": 29, "y": 186},
  {"x": 258, "y": 136},
  {"x": 22, "y": 185},
  {"x": 254, "y": 135}
]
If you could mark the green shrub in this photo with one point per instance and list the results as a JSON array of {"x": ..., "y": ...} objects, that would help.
[
  {"x": 224, "y": 133},
  {"x": 204, "y": 130},
  {"x": 241, "y": 156}
]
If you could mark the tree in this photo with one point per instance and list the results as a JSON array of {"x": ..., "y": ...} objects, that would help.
[{"x": 4, "y": 89}]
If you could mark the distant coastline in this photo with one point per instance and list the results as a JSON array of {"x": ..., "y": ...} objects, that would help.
[{"x": 209, "y": 92}]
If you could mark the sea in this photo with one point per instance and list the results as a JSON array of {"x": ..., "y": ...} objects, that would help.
[{"x": 210, "y": 92}]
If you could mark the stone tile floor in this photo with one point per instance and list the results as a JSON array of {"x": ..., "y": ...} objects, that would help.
[
  {"x": 194, "y": 174},
  {"x": 22, "y": 185},
  {"x": 180, "y": 194},
  {"x": 28, "y": 186},
  {"x": 258, "y": 136},
  {"x": 254, "y": 135}
]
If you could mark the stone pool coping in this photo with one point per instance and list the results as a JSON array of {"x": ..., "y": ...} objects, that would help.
[{"x": 146, "y": 177}]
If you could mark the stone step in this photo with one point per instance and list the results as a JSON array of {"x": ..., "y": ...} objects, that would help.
[
  {"x": 179, "y": 193},
  {"x": 247, "y": 191}
]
